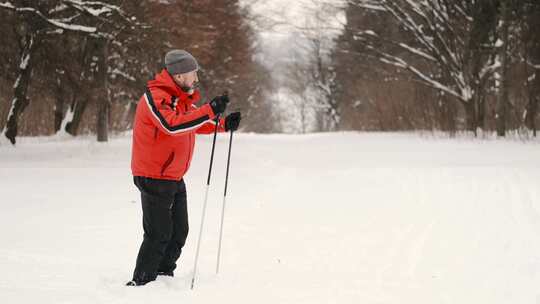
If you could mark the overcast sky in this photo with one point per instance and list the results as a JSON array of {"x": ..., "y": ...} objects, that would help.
[{"x": 281, "y": 27}]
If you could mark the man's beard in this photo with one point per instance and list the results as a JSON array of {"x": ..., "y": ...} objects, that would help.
[{"x": 190, "y": 89}]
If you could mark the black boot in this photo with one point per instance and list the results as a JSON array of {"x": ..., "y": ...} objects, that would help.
[
  {"x": 166, "y": 273},
  {"x": 136, "y": 283}
]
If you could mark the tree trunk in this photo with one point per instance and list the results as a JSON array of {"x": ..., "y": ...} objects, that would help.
[
  {"x": 20, "y": 88},
  {"x": 502, "y": 96},
  {"x": 533, "y": 54},
  {"x": 481, "y": 110},
  {"x": 58, "y": 114},
  {"x": 59, "y": 105},
  {"x": 76, "y": 111},
  {"x": 446, "y": 114},
  {"x": 103, "y": 120},
  {"x": 100, "y": 86},
  {"x": 470, "y": 116},
  {"x": 129, "y": 115},
  {"x": 532, "y": 106}
]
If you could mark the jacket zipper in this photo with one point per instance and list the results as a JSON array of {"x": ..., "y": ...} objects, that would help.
[{"x": 167, "y": 163}]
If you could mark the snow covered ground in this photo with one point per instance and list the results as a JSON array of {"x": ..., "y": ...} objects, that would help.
[{"x": 324, "y": 218}]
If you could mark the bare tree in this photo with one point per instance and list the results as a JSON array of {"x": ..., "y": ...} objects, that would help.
[
  {"x": 310, "y": 74},
  {"x": 41, "y": 19},
  {"x": 531, "y": 37},
  {"x": 446, "y": 45}
]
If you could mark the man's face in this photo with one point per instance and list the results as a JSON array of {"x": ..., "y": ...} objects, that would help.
[{"x": 187, "y": 81}]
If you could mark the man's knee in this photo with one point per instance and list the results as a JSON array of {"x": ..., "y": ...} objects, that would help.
[
  {"x": 158, "y": 237},
  {"x": 181, "y": 236}
]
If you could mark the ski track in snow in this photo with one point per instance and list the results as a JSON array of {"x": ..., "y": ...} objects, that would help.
[{"x": 321, "y": 218}]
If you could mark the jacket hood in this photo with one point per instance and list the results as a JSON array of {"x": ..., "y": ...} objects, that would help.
[{"x": 164, "y": 81}]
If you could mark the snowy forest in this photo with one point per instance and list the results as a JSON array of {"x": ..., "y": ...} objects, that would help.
[{"x": 374, "y": 65}]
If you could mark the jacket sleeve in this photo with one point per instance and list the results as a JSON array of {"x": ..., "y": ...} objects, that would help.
[
  {"x": 173, "y": 123},
  {"x": 210, "y": 126}
]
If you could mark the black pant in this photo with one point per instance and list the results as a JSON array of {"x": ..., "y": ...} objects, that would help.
[{"x": 165, "y": 223}]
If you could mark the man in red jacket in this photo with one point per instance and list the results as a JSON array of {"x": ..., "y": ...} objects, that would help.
[{"x": 166, "y": 122}]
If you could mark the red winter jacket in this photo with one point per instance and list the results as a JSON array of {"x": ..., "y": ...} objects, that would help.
[{"x": 164, "y": 130}]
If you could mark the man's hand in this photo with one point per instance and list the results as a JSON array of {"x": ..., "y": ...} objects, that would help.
[
  {"x": 232, "y": 121},
  {"x": 219, "y": 104}
]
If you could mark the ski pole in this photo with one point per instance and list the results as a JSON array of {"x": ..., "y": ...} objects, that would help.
[
  {"x": 224, "y": 201},
  {"x": 204, "y": 204}
]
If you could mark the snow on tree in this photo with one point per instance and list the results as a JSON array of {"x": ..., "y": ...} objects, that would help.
[
  {"x": 97, "y": 20},
  {"x": 446, "y": 45}
]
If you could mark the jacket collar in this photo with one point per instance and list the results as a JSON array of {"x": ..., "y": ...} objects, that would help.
[{"x": 165, "y": 82}]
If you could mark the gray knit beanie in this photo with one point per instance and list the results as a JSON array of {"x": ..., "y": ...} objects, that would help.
[{"x": 180, "y": 62}]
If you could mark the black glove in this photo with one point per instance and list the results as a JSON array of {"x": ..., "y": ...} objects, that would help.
[
  {"x": 219, "y": 104},
  {"x": 232, "y": 121}
]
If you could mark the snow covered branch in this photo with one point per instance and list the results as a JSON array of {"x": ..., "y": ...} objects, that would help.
[
  {"x": 533, "y": 65},
  {"x": 430, "y": 81},
  {"x": 436, "y": 37},
  {"x": 74, "y": 9},
  {"x": 117, "y": 72},
  {"x": 367, "y": 4},
  {"x": 98, "y": 9},
  {"x": 54, "y": 22}
]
